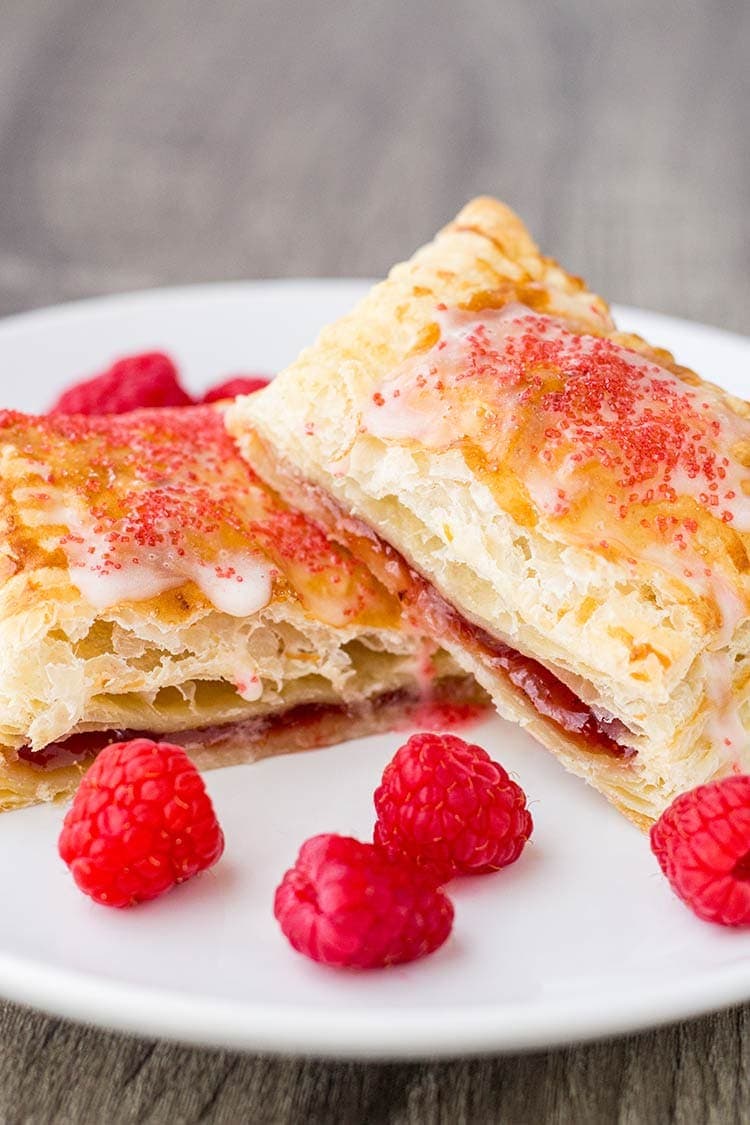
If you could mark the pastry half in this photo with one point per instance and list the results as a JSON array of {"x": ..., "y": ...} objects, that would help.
[
  {"x": 563, "y": 506},
  {"x": 151, "y": 584}
]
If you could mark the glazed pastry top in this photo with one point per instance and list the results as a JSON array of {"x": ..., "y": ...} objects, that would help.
[
  {"x": 136, "y": 507},
  {"x": 603, "y": 446}
]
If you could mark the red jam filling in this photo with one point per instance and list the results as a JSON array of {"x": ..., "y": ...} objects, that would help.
[
  {"x": 76, "y": 746},
  {"x": 554, "y": 699},
  {"x": 429, "y": 711},
  {"x": 548, "y": 695}
]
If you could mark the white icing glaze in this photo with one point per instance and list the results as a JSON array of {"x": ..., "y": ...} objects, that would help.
[
  {"x": 244, "y": 591},
  {"x": 549, "y": 493},
  {"x": 132, "y": 583},
  {"x": 724, "y": 727},
  {"x": 237, "y": 583},
  {"x": 250, "y": 688}
]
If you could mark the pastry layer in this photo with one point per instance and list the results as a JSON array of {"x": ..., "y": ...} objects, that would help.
[
  {"x": 53, "y": 773},
  {"x": 571, "y": 491}
]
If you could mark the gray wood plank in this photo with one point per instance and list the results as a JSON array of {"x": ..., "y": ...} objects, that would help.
[
  {"x": 168, "y": 141},
  {"x": 55, "y": 1071}
]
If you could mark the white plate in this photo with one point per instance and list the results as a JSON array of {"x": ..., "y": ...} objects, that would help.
[{"x": 580, "y": 938}]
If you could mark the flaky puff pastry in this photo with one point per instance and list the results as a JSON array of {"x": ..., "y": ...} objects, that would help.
[
  {"x": 151, "y": 583},
  {"x": 564, "y": 506}
]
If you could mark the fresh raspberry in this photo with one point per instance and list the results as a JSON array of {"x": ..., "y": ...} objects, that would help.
[
  {"x": 702, "y": 843},
  {"x": 446, "y": 806},
  {"x": 131, "y": 383},
  {"x": 140, "y": 822},
  {"x": 240, "y": 385},
  {"x": 344, "y": 904}
]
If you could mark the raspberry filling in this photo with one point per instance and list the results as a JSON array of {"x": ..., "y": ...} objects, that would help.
[
  {"x": 549, "y": 696},
  {"x": 87, "y": 743},
  {"x": 552, "y": 698},
  {"x": 449, "y": 705},
  {"x": 69, "y": 750}
]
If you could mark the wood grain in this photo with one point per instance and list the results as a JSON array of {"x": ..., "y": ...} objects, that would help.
[{"x": 169, "y": 141}]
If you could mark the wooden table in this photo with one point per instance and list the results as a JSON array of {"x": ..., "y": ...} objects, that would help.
[{"x": 152, "y": 142}]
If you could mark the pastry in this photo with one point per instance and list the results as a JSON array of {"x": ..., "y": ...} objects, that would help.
[
  {"x": 150, "y": 583},
  {"x": 561, "y": 505}
]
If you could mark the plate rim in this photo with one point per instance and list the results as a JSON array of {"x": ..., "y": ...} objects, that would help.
[
  {"x": 220, "y": 289},
  {"x": 334, "y": 1032}
]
